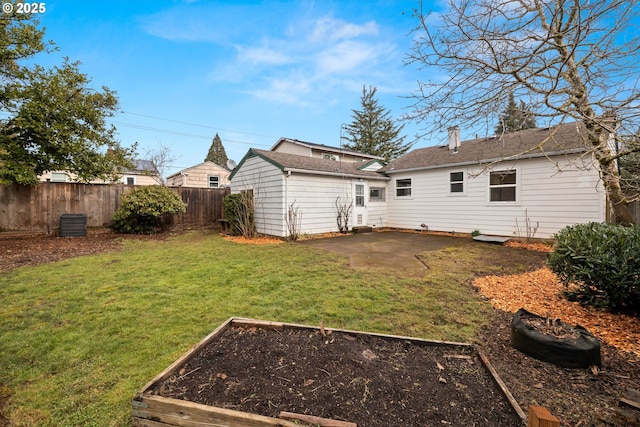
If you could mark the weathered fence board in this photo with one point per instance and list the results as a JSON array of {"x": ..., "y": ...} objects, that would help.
[{"x": 38, "y": 208}]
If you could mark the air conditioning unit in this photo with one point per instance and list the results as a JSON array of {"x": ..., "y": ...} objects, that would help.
[{"x": 73, "y": 225}]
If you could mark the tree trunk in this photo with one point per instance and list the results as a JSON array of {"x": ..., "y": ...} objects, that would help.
[{"x": 599, "y": 137}]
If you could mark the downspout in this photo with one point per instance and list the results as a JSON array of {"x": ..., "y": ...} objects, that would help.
[
  {"x": 184, "y": 178},
  {"x": 286, "y": 202}
]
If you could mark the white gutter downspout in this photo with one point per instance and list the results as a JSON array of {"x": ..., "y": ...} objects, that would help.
[
  {"x": 286, "y": 202},
  {"x": 184, "y": 178}
]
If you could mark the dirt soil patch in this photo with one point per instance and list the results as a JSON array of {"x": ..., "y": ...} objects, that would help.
[{"x": 363, "y": 379}]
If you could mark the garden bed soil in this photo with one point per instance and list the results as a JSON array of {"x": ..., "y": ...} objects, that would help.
[{"x": 367, "y": 379}]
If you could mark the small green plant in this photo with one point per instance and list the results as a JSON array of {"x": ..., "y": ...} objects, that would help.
[
  {"x": 475, "y": 233},
  {"x": 142, "y": 208},
  {"x": 604, "y": 261}
]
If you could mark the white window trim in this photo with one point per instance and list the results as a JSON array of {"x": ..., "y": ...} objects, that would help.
[
  {"x": 516, "y": 185},
  {"x": 463, "y": 182},
  {"x": 209, "y": 181},
  {"x": 378, "y": 199},
  {"x": 395, "y": 189},
  {"x": 125, "y": 179}
]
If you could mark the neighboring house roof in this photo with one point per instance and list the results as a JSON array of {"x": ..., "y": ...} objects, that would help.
[
  {"x": 561, "y": 139},
  {"x": 312, "y": 165},
  {"x": 323, "y": 147},
  {"x": 205, "y": 163},
  {"x": 141, "y": 167}
]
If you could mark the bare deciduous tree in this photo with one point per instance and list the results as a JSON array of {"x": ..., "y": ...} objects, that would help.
[
  {"x": 575, "y": 60},
  {"x": 162, "y": 159}
]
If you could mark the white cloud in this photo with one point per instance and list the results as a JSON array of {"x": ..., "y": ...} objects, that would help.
[
  {"x": 328, "y": 29},
  {"x": 300, "y": 62}
]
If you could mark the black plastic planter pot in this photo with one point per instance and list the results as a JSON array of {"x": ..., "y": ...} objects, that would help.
[{"x": 579, "y": 350}]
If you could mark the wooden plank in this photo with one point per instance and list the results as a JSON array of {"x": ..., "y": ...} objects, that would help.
[
  {"x": 182, "y": 413},
  {"x": 277, "y": 325},
  {"x": 322, "y": 422},
  {"x": 630, "y": 402},
  {"x": 632, "y": 394},
  {"x": 185, "y": 357},
  {"x": 494, "y": 374},
  {"x": 541, "y": 417}
]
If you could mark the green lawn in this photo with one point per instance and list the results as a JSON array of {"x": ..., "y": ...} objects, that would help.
[{"x": 81, "y": 336}]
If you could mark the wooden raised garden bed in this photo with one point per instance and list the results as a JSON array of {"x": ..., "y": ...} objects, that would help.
[{"x": 250, "y": 373}]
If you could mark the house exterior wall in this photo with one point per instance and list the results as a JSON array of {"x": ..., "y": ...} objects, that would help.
[
  {"x": 138, "y": 178},
  {"x": 267, "y": 183},
  {"x": 291, "y": 148},
  {"x": 198, "y": 176},
  {"x": 544, "y": 196},
  {"x": 316, "y": 197}
]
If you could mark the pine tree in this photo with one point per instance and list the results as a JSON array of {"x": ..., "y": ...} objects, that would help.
[
  {"x": 373, "y": 131},
  {"x": 515, "y": 118},
  {"x": 216, "y": 153}
]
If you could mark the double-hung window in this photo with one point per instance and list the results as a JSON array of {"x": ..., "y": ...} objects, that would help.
[
  {"x": 214, "y": 181},
  {"x": 502, "y": 186},
  {"x": 403, "y": 187},
  {"x": 456, "y": 182}
]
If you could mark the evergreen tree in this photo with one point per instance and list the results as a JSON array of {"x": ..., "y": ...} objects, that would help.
[
  {"x": 373, "y": 131},
  {"x": 515, "y": 118},
  {"x": 216, "y": 153}
]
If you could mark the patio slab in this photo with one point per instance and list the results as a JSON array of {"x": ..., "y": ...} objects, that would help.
[{"x": 388, "y": 249}]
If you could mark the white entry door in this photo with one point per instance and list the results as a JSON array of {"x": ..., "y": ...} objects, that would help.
[{"x": 360, "y": 199}]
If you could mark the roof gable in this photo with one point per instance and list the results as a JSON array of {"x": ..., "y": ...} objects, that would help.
[
  {"x": 199, "y": 166},
  {"x": 307, "y": 164},
  {"x": 556, "y": 140},
  {"x": 322, "y": 147}
]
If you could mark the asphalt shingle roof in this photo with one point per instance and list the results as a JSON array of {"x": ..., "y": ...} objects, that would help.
[
  {"x": 287, "y": 161},
  {"x": 560, "y": 139}
]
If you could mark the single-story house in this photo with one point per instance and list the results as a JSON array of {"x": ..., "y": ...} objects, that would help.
[
  {"x": 529, "y": 183},
  {"x": 203, "y": 175},
  {"x": 143, "y": 172}
]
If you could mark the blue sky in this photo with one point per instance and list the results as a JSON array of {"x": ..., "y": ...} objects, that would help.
[{"x": 251, "y": 71}]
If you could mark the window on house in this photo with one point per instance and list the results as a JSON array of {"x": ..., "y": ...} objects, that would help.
[
  {"x": 359, "y": 195},
  {"x": 376, "y": 194},
  {"x": 329, "y": 156},
  {"x": 403, "y": 187},
  {"x": 456, "y": 182},
  {"x": 214, "y": 181},
  {"x": 502, "y": 186},
  {"x": 130, "y": 180},
  {"x": 58, "y": 177}
]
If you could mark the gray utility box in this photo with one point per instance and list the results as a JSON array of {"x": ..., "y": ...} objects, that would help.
[{"x": 73, "y": 225}]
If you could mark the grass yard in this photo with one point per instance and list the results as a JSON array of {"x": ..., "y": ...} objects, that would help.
[{"x": 79, "y": 337}]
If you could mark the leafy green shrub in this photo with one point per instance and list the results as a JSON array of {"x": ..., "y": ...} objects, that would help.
[
  {"x": 238, "y": 210},
  {"x": 604, "y": 261},
  {"x": 142, "y": 208}
]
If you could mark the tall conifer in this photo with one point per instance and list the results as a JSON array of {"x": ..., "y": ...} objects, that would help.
[{"x": 373, "y": 131}]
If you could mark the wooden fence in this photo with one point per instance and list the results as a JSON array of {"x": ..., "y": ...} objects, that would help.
[{"x": 39, "y": 208}]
